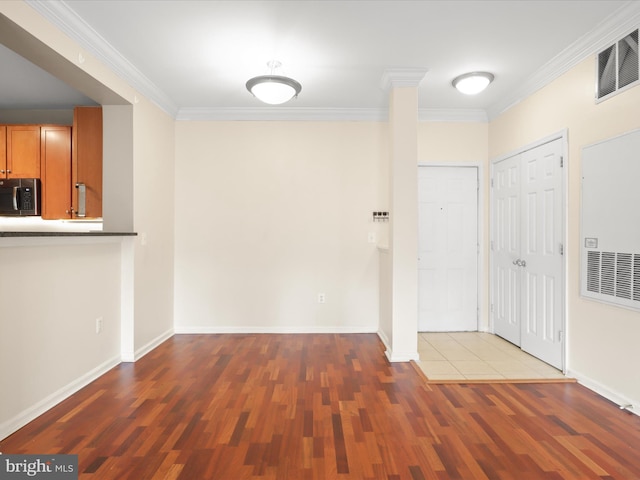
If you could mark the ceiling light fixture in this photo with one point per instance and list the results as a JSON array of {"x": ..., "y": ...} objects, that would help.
[
  {"x": 472, "y": 83},
  {"x": 273, "y": 89}
]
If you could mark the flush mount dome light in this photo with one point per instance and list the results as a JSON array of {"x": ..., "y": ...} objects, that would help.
[
  {"x": 472, "y": 83},
  {"x": 273, "y": 89}
]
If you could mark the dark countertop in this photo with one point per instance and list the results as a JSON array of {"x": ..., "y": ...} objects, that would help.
[{"x": 68, "y": 234}]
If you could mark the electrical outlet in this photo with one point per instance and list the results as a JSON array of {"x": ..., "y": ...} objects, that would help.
[
  {"x": 321, "y": 298},
  {"x": 98, "y": 324}
]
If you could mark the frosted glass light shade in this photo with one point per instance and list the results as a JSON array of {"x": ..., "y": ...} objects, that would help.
[
  {"x": 472, "y": 83},
  {"x": 273, "y": 89}
]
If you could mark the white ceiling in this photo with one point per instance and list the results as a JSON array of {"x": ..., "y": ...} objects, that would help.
[{"x": 195, "y": 56}]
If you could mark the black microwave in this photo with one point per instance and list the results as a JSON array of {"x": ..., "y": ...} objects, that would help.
[{"x": 19, "y": 196}]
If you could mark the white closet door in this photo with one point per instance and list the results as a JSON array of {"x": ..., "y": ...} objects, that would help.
[
  {"x": 528, "y": 272},
  {"x": 506, "y": 249},
  {"x": 541, "y": 255},
  {"x": 448, "y": 249}
]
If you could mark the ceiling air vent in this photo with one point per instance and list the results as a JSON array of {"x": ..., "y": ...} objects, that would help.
[{"x": 618, "y": 66}]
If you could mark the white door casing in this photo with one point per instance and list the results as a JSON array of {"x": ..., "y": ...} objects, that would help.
[
  {"x": 528, "y": 266},
  {"x": 448, "y": 248}
]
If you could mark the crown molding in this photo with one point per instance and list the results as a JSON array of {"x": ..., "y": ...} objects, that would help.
[
  {"x": 453, "y": 115},
  {"x": 614, "y": 27},
  {"x": 402, "y": 77},
  {"x": 284, "y": 114},
  {"x": 63, "y": 17},
  {"x": 301, "y": 114}
]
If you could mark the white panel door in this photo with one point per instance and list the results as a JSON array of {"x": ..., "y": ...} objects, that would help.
[
  {"x": 541, "y": 253},
  {"x": 528, "y": 285},
  {"x": 506, "y": 249},
  {"x": 448, "y": 249}
]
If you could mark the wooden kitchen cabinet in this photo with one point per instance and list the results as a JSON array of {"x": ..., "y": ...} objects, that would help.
[
  {"x": 55, "y": 148},
  {"x": 3, "y": 151},
  {"x": 86, "y": 161},
  {"x": 21, "y": 157},
  {"x": 72, "y": 167}
]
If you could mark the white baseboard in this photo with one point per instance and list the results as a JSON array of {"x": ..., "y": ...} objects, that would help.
[
  {"x": 142, "y": 351},
  {"x": 384, "y": 339},
  {"x": 396, "y": 356},
  {"x": 632, "y": 406},
  {"x": 273, "y": 329},
  {"x": 29, "y": 414},
  {"x": 401, "y": 356}
]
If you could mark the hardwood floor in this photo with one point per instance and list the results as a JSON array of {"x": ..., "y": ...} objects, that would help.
[{"x": 229, "y": 407}]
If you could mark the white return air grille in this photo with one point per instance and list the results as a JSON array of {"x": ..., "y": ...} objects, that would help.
[
  {"x": 614, "y": 274},
  {"x": 618, "y": 66}
]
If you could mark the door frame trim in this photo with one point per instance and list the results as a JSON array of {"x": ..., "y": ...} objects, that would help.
[
  {"x": 560, "y": 135},
  {"x": 482, "y": 296}
]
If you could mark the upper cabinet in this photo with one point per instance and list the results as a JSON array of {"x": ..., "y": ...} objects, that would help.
[
  {"x": 20, "y": 151},
  {"x": 86, "y": 162}
]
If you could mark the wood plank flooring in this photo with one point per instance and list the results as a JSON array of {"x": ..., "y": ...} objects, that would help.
[{"x": 230, "y": 407}]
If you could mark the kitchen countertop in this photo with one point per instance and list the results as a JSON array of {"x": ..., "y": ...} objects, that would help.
[{"x": 97, "y": 233}]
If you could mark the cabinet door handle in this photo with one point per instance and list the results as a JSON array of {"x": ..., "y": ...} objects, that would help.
[
  {"x": 8, "y": 171},
  {"x": 2, "y": 171},
  {"x": 82, "y": 200}
]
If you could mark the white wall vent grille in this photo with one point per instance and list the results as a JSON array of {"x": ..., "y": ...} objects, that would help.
[
  {"x": 615, "y": 274},
  {"x": 610, "y": 250},
  {"x": 618, "y": 66}
]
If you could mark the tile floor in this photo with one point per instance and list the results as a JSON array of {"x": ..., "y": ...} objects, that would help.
[{"x": 478, "y": 356}]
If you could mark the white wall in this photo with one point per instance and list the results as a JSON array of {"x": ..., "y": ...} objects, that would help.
[
  {"x": 269, "y": 214},
  {"x": 154, "y": 206},
  {"x": 50, "y": 298},
  {"x": 601, "y": 339}
]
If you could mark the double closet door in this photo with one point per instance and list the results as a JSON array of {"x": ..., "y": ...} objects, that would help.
[{"x": 527, "y": 251}]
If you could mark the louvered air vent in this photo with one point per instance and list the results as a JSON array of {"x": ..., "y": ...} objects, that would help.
[
  {"x": 614, "y": 274},
  {"x": 618, "y": 66}
]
